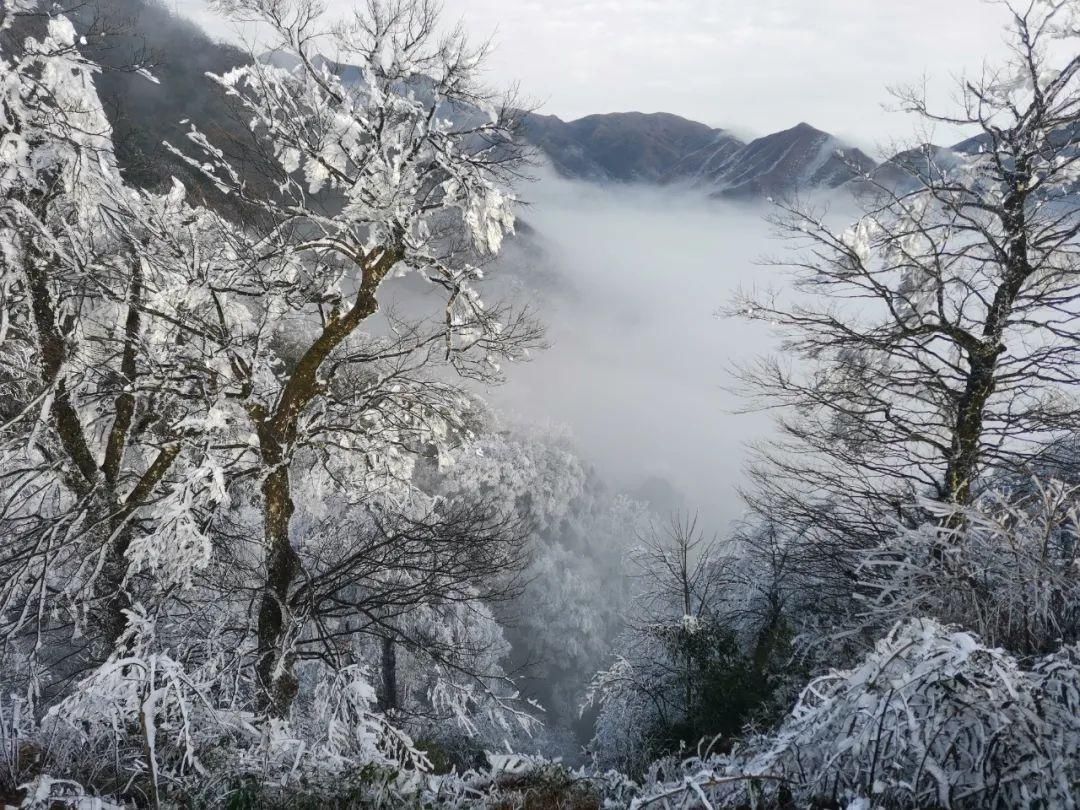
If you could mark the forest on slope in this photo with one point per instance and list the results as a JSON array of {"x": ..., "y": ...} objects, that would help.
[{"x": 266, "y": 545}]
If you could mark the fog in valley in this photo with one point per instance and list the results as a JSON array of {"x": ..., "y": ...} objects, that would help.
[
  {"x": 633, "y": 285},
  {"x": 636, "y": 382},
  {"x": 630, "y": 282}
]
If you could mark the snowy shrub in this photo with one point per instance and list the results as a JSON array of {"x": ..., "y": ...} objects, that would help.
[
  {"x": 46, "y": 793},
  {"x": 165, "y": 727},
  {"x": 626, "y": 719},
  {"x": 519, "y": 781},
  {"x": 1004, "y": 568},
  {"x": 930, "y": 718}
]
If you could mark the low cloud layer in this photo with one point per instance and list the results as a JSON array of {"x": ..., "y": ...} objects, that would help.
[{"x": 628, "y": 281}]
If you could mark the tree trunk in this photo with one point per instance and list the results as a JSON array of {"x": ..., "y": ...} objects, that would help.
[
  {"x": 767, "y": 640},
  {"x": 110, "y": 617},
  {"x": 275, "y": 668},
  {"x": 388, "y": 695},
  {"x": 96, "y": 486},
  {"x": 967, "y": 432},
  {"x": 277, "y": 431},
  {"x": 983, "y": 360}
]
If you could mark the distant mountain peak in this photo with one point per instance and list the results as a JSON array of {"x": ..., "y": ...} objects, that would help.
[
  {"x": 620, "y": 147},
  {"x": 797, "y": 159},
  {"x": 667, "y": 148}
]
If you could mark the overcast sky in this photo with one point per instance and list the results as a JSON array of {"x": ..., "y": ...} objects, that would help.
[{"x": 754, "y": 66}]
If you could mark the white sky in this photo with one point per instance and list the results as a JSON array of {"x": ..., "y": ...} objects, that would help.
[{"x": 754, "y": 66}]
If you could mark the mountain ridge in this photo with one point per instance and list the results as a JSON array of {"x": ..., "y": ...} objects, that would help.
[
  {"x": 623, "y": 147},
  {"x": 665, "y": 148}
]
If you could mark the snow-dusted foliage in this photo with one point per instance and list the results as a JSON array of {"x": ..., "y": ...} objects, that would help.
[
  {"x": 680, "y": 674},
  {"x": 1004, "y": 568},
  {"x": 262, "y": 547},
  {"x": 402, "y": 134},
  {"x": 534, "y": 474},
  {"x": 629, "y": 716},
  {"x": 54, "y": 130},
  {"x": 930, "y": 718},
  {"x": 392, "y": 164},
  {"x": 155, "y": 722},
  {"x": 570, "y": 610},
  {"x": 164, "y": 586},
  {"x": 108, "y": 472}
]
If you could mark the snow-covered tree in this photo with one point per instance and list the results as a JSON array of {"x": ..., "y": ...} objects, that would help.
[
  {"x": 397, "y": 163},
  {"x": 166, "y": 369},
  {"x": 107, "y": 467},
  {"x": 565, "y": 620},
  {"x": 680, "y": 674},
  {"x": 939, "y": 332}
]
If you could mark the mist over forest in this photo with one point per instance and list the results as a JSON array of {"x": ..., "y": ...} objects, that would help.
[
  {"x": 635, "y": 330},
  {"x": 369, "y": 439}
]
